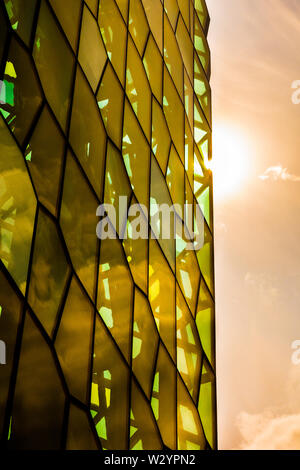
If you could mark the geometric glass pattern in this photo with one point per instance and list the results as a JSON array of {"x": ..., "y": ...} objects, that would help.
[{"x": 110, "y": 344}]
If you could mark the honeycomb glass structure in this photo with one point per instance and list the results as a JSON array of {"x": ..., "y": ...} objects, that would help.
[{"x": 110, "y": 343}]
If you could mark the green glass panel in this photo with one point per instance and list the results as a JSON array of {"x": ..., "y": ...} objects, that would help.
[{"x": 22, "y": 98}]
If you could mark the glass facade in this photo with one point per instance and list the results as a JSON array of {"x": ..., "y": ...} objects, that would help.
[{"x": 109, "y": 343}]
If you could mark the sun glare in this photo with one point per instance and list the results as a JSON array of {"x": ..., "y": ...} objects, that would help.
[{"x": 231, "y": 162}]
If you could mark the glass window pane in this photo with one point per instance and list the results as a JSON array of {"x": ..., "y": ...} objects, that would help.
[
  {"x": 21, "y": 15},
  {"x": 174, "y": 113},
  {"x": 153, "y": 64},
  {"x": 68, "y": 14},
  {"x": 80, "y": 435},
  {"x": 161, "y": 139},
  {"x": 154, "y": 12},
  {"x": 172, "y": 56},
  {"x": 138, "y": 25}
]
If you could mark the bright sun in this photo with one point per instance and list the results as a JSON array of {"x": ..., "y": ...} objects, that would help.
[{"x": 231, "y": 160}]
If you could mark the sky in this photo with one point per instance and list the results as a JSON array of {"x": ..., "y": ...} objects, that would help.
[{"x": 256, "y": 140}]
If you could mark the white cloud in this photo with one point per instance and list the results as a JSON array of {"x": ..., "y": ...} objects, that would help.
[
  {"x": 276, "y": 173},
  {"x": 267, "y": 431}
]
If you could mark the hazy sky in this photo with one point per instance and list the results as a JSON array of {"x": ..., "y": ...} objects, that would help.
[{"x": 255, "y": 59}]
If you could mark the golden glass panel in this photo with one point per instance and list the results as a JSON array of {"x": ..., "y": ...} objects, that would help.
[
  {"x": 174, "y": 114},
  {"x": 144, "y": 434},
  {"x": 48, "y": 273},
  {"x": 202, "y": 89},
  {"x": 80, "y": 435},
  {"x": 136, "y": 249},
  {"x": 205, "y": 259},
  {"x": 39, "y": 399},
  {"x": 144, "y": 342},
  {"x": 206, "y": 322},
  {"x": 175, "y": 178},
  {"x": 206, "y": 405},
  {"x": 21, "y": 16},
  {"x": 202, "y": 13},
  {"x": 18, "y": 206},
  {"x": 51, "y": 52},
  {"x": 68, "y": 14},
  {"x": 138, "y": 25},
  {"x": 73, "y": 341},
  {"x": 78, "y": 222},
  {"x": 87, "y": 133},
  {"x": 92, "y": 54},
  {"x": 161, "y": 280},
  {"x": 116, "y": 185},
  {"x": 114, "y": 34},
  {"x": 189, "y": 152},
  {"x": 123, "y": 7},
  {"x": 163, "y": 401},
  {"x": 184, "y": 9},
  {"x": 109, "y": 407},
  {"x": 172, "y": 10},
  {"x": 164, "y": 231},
  {"x": 153, "y": 64},
  {"x": 20, "y": 92},
  {"x": 44, "y": 156},
  {"x": 161, "y": 139},
  {"x": 190, "y": 433},
  {"x": 189, "y": 99},
  {"x": 201, "y": 46},
  {"x": 189, "y": 351},
  {"x": 172, "y": 56},
  {"x": 93, "y": 5},
  {"x": 136, "y": 155},
  {"x": 185, "y": 45},
  {"x": 154, "y": 12},
  {"x": 115, "y": 293},
  {"x": 9, "y": 322},
  {"x": 138, "y": 89},
  {"x": 110, "y": 101}
]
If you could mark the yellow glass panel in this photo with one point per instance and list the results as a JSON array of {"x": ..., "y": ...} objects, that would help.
[
  {"x": 161, "y": 280},
  {"x": 202, "y": 89},
  {"x": 174, "y": 113},
  {"x": 161, "y": 139},
  {"x": 172, "y": 56},
  {"x": 163, "y": 226},
  {"x": 172, "y": 10},
  {"x": 115, "y": 293},
  {"x": 137, "y": 249},
  {"x": 153, "y": 64},
  {"x": 116, "y": 185},
  {"x": 163, "y": 399},
  {"x": 78, "y": 222},
  {"x": 18, "y": 206},
  {"x": 202, "y": 133},
  {"x": 189, "y": 99},
  {"x": 190, "y": 433},
  {"x": 205, "y": 259},
  {"x": 202, "y": 13},
  {"x": 188, "y": 274},
  {"x": 80, "y": 435},
  {"x": 184, "y": 8},
  {"x": 48, "y": 274},
  {"x": 138, "y": 25},
  {"x": 109, "y": 407},
  {"x": 144, "y": 342},
  {"x": 137, "y": 88},
  {"x": 154, "y": 12},
  {"x": 136, "y": 155},
  {"x": 123, "y": 7},
  {"x": 206, "y": 323},
  {"x": 114, "y": 35},
  {"x": 185, "y": 45},
  {"x": 144, "y": 434},
  {"x": 73, "y": 341},
  {"x": 189, "y": 152},
  {"x": 189, "y": 351},
  {"x": 175, "y": 178},
  {"x": 110, "y": 102},
  {"x": 44, "y": 156},
  {"x": 92, "y": 54},
  {"x": 206, "y": 404},
  {"x": 93, "y": 5},
  {"x": 201, "y": 46},
  {"x": 68, "y": 14},
  {"x": 52, "y": 52},
  {"x": 87, "y": 133}
]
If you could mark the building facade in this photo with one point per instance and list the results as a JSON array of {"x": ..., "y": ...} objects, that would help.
[{"x": 109, "y": 342}]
